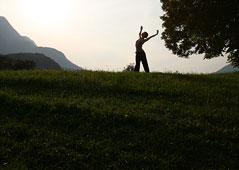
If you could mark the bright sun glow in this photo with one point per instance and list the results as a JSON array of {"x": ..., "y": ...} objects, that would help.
[{"x": 45, "y": 11}]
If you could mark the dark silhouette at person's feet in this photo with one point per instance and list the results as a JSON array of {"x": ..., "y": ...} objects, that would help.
[{"x": 140, "y": 54}]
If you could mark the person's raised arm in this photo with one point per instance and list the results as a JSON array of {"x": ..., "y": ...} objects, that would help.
[
  {"x": 152, "y": 36},
  {"x": 140, "y": 33}
]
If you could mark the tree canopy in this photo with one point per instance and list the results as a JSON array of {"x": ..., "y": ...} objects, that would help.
[
  {"x": 10, "y": 64},
  {"x": 129, "y": 68},
  {"x": 209, "y": 27}
]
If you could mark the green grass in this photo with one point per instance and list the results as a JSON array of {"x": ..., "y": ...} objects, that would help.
[{"x": 97, "y": 120}]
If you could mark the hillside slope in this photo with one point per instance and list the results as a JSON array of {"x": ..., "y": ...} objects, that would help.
[
  {"x": 42, "y": 62},
  {"x": 97, "y": 120},
  {"x": 228, "y": 69},
  {"x": 12, "y": 42}
]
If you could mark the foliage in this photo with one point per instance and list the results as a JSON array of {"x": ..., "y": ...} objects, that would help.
[
  {"x": 129, "y": 68},
  {"x": 202, "y": 27},
  {"x": 9, "y": 64},
  {"x": 5, "y": 63},
  {"x": 24, "y": 65},
  {"x": 97, "y": 120}
]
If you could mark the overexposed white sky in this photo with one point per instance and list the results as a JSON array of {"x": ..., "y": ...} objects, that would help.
[{"x": 100, "y": 34}]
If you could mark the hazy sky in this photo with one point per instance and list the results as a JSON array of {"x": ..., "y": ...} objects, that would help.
[{"x": 100, "y": 34}]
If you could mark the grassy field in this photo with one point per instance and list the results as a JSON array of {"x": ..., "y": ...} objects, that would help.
[{"x": 97, "y": 120}]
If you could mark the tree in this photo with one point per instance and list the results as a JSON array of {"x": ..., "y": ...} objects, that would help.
[
  {"x": 209, "y": 27},
  {"x": 10, "y": 64},
  {"x": 129, "y": 68},
  {"x": 24, "y": 65},
  {"x": 5, "y": 63}
]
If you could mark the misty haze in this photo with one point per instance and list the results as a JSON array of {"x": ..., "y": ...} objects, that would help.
[{"x": 89, "y": 84}]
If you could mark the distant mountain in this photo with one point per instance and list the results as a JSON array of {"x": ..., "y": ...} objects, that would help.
[
  {"x": 12, "y": 42},
  {"x": 42, "y": 62},
  {"x": 228, "y": 69}
]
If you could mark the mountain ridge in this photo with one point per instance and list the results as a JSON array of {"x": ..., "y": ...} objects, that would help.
[
  {"x": 12, "y": 42},
  {"x": 228, "y": 69}
]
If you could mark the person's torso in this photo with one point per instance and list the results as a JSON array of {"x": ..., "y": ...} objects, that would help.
[{"x": 139, "y": 45}]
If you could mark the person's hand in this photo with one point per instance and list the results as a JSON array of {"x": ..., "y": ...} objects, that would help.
[
  {"x": 157, "y": 32},
  {"x": 141, "y": 28}
]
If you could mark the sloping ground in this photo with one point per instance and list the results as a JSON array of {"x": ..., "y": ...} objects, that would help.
[
  {"x": 41, "y": 61},
  {"x": 12, "y": 42},
  {"x": 228, "y": 69},
  {"x": 97, "y": 120}
]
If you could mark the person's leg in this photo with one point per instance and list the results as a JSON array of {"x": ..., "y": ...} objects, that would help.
[
  {"x": 137, "y": 66},
  {"x": 145, "y": 63}
]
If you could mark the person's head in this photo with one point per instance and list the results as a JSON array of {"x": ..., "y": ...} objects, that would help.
[{"x": 145, "y": 35}]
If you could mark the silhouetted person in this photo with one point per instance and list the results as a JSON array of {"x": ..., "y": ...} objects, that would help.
[{"x": 140, "y": 54}]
